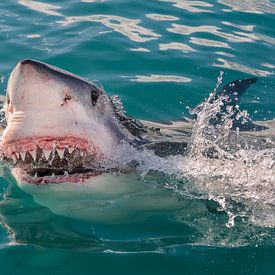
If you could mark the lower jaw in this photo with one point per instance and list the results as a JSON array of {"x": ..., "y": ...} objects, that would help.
[{"x": 22, "y": 176}]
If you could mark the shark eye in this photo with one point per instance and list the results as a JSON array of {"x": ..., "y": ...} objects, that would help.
[{"x": 94, "y": 96}]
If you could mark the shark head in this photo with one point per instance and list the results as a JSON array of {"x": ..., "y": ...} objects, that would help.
[{"x": 57, "y": 123}]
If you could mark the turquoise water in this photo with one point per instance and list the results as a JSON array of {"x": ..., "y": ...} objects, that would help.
[{"x": 160, "y": 57}]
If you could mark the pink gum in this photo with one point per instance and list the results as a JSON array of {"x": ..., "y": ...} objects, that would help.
[{"x": 46, "y": 143}]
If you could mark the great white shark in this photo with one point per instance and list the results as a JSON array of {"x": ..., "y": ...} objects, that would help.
[{"x": 61, "y": 131}]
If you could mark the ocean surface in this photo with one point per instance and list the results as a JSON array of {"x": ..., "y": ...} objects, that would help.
[{"x": 161, "y": 57}]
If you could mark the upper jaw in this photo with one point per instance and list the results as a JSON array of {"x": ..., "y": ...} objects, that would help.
[{"x": 47, "y": 144}]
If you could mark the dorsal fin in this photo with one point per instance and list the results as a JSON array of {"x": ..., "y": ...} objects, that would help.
[
  {"x": 233, "y": 92},
  {"x": 236, "y": 88}
]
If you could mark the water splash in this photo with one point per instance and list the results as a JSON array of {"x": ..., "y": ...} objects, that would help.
[
  {"x": 226, "y": 168},
  {"x": 221, "y": 165}
]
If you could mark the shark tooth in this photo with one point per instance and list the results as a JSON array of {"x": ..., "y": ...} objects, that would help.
[
  {"x": 60, "y": 153},
  {"x": 14, "y": 158},
  {"x": 77, "y": 151},
  {"x": 23, "y": 155},
  {"x": 70, "y": 149},
  {"x": 47, "y": 153},
  {"x": 33, "y": 154}
]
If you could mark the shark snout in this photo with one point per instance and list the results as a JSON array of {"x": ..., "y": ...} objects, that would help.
[
  {"x": 34, "y": 71},
  {"x": 47, "y": 102}
]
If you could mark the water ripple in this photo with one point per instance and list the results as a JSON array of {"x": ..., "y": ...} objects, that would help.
[
  {"x": 251, "y": 6},
  {"x": 126, "y": 26},
  {"x": 238, "y": 26},
  {"x": 139, "y": 50},
  {"x": 187, "y": 30},
  {"x": 190, "y": 6},
  {"x": 159, "y": 78},
  {"x": 224, "y": 53},
  {"x": 209, "y": 42},
  {"x": 161, "y": 17},
  {"x": 268, "y": 65},
  {"x": 176, "y": 46},
  {"x": 41, "y": 7},
  {"x": 33, "y": 35},
  {"x": 235, "y": 66},
  {"x": 93, "y": 1}
]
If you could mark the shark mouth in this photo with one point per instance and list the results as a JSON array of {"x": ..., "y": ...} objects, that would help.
[{"x": 53, "y": 160}]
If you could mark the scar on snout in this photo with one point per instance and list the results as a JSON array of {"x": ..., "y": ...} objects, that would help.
[{"x": 65, "y": 101}]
